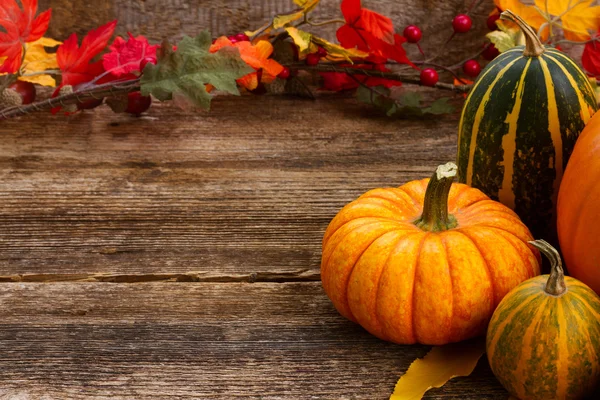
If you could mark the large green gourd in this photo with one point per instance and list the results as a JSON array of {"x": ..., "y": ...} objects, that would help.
[{"x": 519, "y": 126}]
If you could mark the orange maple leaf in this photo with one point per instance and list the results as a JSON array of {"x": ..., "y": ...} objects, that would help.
[
  {"x": 255, "y": 55},
  {"x": 575, "y": 18}
]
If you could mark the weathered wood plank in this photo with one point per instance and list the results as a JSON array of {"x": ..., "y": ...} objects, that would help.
[
  {"x": 198, "y": 340},
  {"x": 225, "y": 195}
]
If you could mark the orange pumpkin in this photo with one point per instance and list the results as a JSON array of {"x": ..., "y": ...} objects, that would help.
[
  {"x": 578, "y": 208},
  {"x": 427, "y": 262}
]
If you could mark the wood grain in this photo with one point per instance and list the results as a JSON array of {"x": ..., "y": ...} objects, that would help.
[
  {"x": 200, "y": 341},
  {"x": 244, "y": 192}
]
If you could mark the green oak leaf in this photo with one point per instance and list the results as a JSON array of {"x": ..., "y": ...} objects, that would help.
[{"x": 186, "y": 71}]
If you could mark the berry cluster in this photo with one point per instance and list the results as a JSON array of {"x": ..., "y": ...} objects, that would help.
[{"x": 461, "y": 23}]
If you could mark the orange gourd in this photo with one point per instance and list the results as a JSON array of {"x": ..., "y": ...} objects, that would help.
[
  {"x": 427, "y": 262},
  {"x": 578, "y": 208}
]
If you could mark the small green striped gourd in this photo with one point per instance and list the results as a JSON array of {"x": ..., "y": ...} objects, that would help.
[
  {"x": 543, "y": 341},
  {"x": 519, "y": 125}
]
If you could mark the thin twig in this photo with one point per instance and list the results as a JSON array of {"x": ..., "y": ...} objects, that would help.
[
  {"x": 104, "y": 90},
  {"x": 331, "y": 21},
  {"x": 480, "y": 52},
  {"x": 378, "y": 74}
]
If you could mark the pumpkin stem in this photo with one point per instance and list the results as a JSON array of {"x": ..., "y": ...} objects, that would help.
[
  {"x": 533, "y": 45},
  {"x": 556, "y": 282},
  {"x": 435, "y": 215}
]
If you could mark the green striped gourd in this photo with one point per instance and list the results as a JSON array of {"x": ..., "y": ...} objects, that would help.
[
  {"x": 543, "y": 341},
  {"x": 519, "y": 125}
]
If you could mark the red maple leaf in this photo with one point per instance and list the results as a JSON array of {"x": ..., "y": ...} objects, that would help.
[
  {"x": 126, "y": 55},
  {"x": 338, "y": 81},
  {"x": 590, "y": 59},
  {"x": 21, "y": 26},
  {"x": 75, "y": 61},
  {"x": 371, "y": 32}
]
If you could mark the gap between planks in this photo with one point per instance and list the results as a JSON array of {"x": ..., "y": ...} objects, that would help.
[{"x": 305, "y": 275}]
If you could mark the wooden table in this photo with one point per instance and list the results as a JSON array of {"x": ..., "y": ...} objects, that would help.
[{"x": 177, "y": 255}]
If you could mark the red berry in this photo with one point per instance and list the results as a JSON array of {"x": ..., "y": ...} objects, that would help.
[
  {"x": 25, "y": 89},
  {"x": 285, "y": 73},
  {"x": 137, "y": 104},
  {"x": 241, "y": 37},
  {"x": 412, "y": 33},
  {"x": 89, "y": 104},
  {"x": 490, "y": 52},
  {"x": 472, "y": 68},
  {"x": 312, "y": 59},
  {"x": 491, "y": 22},
  {"x": 146, "y": 61},
  {"x": 462, "y": 23},
  {"x": 321, "y": 52},
  {"x": 429, "y": 77}
]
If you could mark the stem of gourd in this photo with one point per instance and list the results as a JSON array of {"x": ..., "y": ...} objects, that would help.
[
  {"x": 435, "y": 217},
  {"x": 533, "y": 44},
  {"x": 556, "y": 282}
]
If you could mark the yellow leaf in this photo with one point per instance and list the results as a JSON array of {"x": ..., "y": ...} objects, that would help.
[
  {"x": 441, "y": 364},
  {"x": 284, "y": 19},
  {"x": 579, "y": 17},
  {"x": 38, "y": 60},
  {"x": 336, "y": 52},
  {"x": 44, "y": 80},
  {"x": 305, "y": 6},
  {"x": 262, "y": 30},
  {"x": 575, "y": 18},
  {"x": 302, "y": 39}
]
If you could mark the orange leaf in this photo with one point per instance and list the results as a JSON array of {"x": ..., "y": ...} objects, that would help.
[
  {"x": 440, "y": 365},
  {"x": 256, "y": 56},
  {"x": 576, "y": 18}
]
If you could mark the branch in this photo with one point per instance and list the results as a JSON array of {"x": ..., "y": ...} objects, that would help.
[
  {"x": 322, "y": 23},
  {"x": 105, "y": 90},
  {"x": 379, "y": 74}
]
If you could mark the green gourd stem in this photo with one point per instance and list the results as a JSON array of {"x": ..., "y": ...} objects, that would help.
[
  {"x": 435, "y": 217},
  {"x": 556, "y": 282},
  {"x": 533, "y": 45}
]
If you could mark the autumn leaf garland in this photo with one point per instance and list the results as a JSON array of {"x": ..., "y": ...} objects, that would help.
[{"x": 362, "y": 60}]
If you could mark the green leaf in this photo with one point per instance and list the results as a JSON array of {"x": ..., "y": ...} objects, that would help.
[
  {"x": 440, "y": 106},
  {"x": 410, "y": 99},
  {"x": 408, "y": 104},
  {"x": 186, "y": 72},
  {"x": 377, "y": 96}
]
